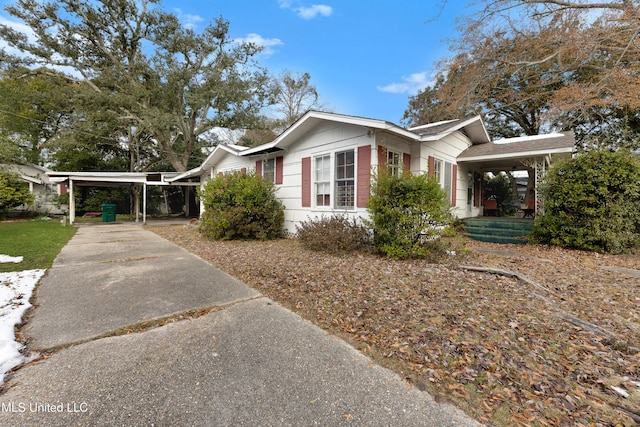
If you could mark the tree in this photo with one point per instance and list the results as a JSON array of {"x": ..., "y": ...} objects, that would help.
[
  {"x": 13, "y": 192},
  {"x": 486, "y": 77},
  {"x": 151, "y": 80},
  {"x": 543, "y": 65},
  {"x": 500, "y": 189},
  {"x": 34, "y": 109},
  {"x": 293, "y": 95},
  {"x": 591, "y": 202}
]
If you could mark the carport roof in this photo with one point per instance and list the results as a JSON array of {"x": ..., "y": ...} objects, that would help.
[
  {"x": 521, "y": 147},
  {"x": 509, "y": 153},
  {"x": 111, "y": 178}
]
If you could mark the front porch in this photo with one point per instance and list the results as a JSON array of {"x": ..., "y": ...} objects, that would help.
[{"x": 528, "y": 157}]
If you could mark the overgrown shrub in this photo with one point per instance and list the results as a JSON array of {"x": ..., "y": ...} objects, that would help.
[
  {"x": 335, "y": 234},
  {"x": 408, "y": 214},
  {"x": 13, "y": 192},
  {"x": 592, "y": 202},
  {"x": 241, "y": 206}
]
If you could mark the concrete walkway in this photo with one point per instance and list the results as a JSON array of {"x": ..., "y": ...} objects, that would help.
[{"x": 248, "y": 362}]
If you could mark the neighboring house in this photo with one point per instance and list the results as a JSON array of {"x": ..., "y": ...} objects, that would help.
[
  {"x": 46, "y": 191},
  {"x": 322, "y": 164}
]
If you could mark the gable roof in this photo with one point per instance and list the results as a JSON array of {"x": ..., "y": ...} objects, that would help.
[
  {"x": 216, "y": 155},
  {"x": 312, "y": 118},
  {"x": 473, "y": 127}
]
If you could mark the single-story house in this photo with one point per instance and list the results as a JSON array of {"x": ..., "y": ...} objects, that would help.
[
  {"x": 46, "y": 191},
  {"x": 322, "y": 164}
]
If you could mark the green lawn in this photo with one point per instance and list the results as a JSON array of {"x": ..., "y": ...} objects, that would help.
[{"x": 38, "y": 241}]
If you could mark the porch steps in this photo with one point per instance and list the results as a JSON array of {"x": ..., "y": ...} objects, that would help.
[{"x": 499, "y": 230}]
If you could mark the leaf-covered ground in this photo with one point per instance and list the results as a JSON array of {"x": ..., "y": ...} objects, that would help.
[{"x": 559, "y": 344}]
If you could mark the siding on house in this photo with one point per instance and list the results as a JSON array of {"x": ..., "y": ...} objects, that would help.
[{"x": 297, "y": 151}]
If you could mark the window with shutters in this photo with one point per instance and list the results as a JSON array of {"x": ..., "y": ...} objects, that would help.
[
  {"x": 269, "y": 170},
  {"x": 394, "y": 163},
  {"x": 345, "y": 179},
  {"x": 322, "y": 180}
]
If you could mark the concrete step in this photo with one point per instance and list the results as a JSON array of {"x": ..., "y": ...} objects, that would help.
[
  {"x": 498, "y": 239},
  {"x": 498, "y": 230}
]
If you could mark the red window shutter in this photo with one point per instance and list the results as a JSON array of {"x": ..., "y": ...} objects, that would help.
[
  {"x": 382, "y": 157},
  {"x": 364, "y": 177},
  {"x": 279, "y": 165},
  {"x": 406, "y": 163},
  {"x": 454, "y": 184},
  {"x": 306, "y": 182},
  {"x": 63, "y": 189},
  {"x": 431, "y": 166},
  {"x": 243, "y": 171},
  {"x": 259, "y": 167}
]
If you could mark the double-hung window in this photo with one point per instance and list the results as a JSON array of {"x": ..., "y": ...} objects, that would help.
[
  {"x": 269, "y": 170},
  {"x": 394, "y": 163},
  {"x": 345, "y": 179},
  {"x": 323, "y": 180},
  {"x": 437, "y": 171}
]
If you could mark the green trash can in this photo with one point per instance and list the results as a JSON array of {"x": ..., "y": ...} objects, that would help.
[{"x": 108, "y": 212}]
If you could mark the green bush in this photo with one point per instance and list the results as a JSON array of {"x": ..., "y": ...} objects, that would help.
[
  {"x": 592, "y": 202},
  {"x": 13, "y": 192},
  {"x": 499, "y": 189},
  {"x": 408, "y": 214},
  {"x": 334, "y": 234},
  {"x": 241, "y": 206}
]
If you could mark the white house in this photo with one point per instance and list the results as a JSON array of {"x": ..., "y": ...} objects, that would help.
[
  {"x": 322, "y": 164},
  {"x": 46, "y": 191}
]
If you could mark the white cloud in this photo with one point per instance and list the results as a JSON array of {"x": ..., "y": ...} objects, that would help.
[
  {"x": 411, "y": 84},
  {"x": 268, "y": 45},
  {"x": 314, "y": 10},
  {"x": 307, "y": 12},
  {"x": 189, "y": 21}
]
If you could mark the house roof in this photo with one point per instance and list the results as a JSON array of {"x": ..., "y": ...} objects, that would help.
[
  {"x": 473, "y": 127},
  {"x": 521, "y": 147},
  {"x": 111, "y": 179},
  {"x": 510, "y": 153},
  {"x": 216, "y": 155},
  {"x": 312, "y": 118}
]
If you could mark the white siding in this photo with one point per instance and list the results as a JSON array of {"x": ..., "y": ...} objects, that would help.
[{"x": 326, "y": 138}]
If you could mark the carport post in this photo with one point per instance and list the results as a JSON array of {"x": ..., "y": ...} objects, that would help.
[
  {"x": 72, "y": 203},
  {"x": 144, "y": 204}
]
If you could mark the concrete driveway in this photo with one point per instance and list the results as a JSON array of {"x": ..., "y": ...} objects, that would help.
[{"x": 249, "y": 361}]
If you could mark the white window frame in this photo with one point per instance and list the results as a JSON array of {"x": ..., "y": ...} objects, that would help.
[
  {"x": 322, "y": 180},
  {"x": 269, "y": 170},
  {"x": 394, "y": 163},
  {"x": 345, "y": 176},
  {"x": 438, "y": 174}
]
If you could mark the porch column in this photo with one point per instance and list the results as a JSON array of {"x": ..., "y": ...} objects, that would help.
[
  {"x": 72, "y": 203},
  {"x": 540, "y": 169}
]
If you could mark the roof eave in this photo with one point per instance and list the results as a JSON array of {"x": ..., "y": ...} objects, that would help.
[{"x": 563, "y": 150}]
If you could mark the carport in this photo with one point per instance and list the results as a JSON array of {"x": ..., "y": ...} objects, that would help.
[{"x": 111, "y": 179}]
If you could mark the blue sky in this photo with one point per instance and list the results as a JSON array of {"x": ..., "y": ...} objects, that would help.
[{"x": 365, "y": 57}]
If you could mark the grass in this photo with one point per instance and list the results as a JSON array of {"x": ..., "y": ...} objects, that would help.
[{"x": 38, "y": 241}]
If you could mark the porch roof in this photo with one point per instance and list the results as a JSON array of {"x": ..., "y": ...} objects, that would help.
[{"x": 509, "y": 153}]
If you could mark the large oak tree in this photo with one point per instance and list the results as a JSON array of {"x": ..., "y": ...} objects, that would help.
[
  {"x": 153, "y": 83},
  {"x": 535, "y": 65}
]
